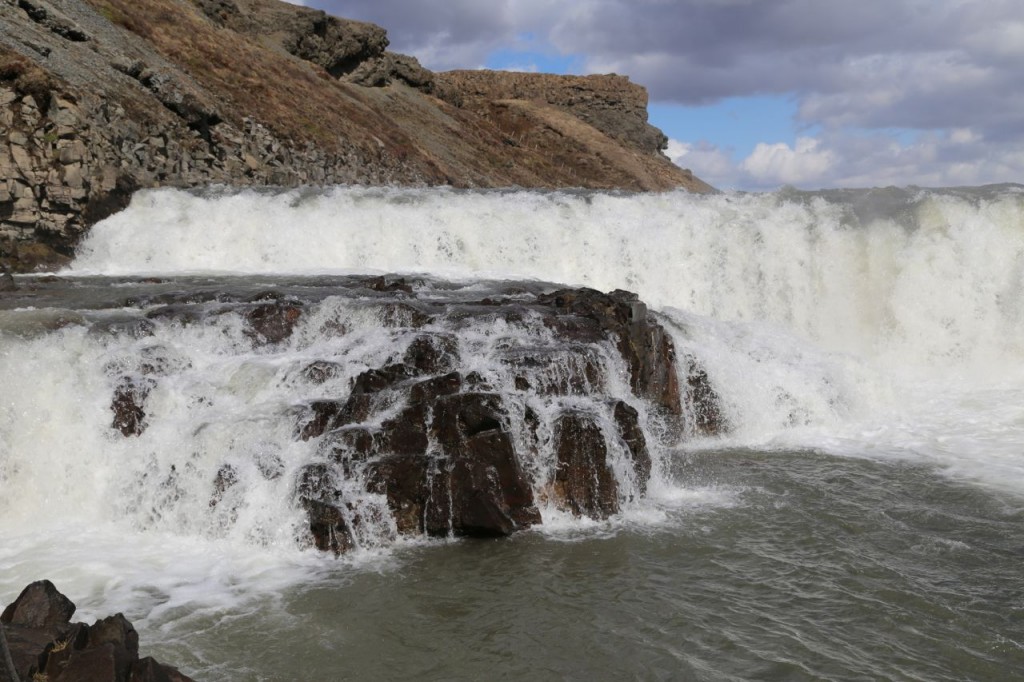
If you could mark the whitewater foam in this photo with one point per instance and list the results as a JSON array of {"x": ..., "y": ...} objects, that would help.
[{"x": 915, "y": 277}]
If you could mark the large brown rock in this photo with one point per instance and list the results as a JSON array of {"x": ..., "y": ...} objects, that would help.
[
  {"x": 489, "y": 493},
  {"x": 645, "y": 346},
  {"x": 584, "y": 481},
  {"x": 45, "y": 645},
  {"x": 273, "y": 322},
  {"x": 446, "y": 447},
  {"x": 473, "y": 486},
  {"x": 39, "y": 606}
]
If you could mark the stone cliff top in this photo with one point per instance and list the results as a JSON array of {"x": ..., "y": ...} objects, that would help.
[
  {"x": 610, "y": 103},
  {"x": 101, "y": 97}
]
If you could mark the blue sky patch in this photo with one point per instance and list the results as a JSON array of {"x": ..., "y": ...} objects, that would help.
[{"x": 735, "y": 124}]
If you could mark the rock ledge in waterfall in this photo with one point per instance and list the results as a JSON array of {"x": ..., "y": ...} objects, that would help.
[
  {"x": 450, "y": 460},
  {"x": 477, "y": 408},
  {"x": 45, "y": 645}
]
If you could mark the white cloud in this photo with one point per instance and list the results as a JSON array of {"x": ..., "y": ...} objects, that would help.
[
  {"x": 711, "y": 164},
  {"x": 960, "y": 157},
  {"x": 806, "y": 162}
]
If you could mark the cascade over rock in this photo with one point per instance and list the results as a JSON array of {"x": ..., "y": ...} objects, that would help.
[{"x": 381, "y": 406}]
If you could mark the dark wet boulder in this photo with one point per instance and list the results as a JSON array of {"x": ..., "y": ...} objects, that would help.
[
  {"x": 272, "y": 322},
  {"x": 128, "y": 405},
  {"x": 349, "y": 445},
  {"x": 40, "y": 605},
  {"x": 702, "y": 402},
  {"x": 407, "y": 483},
  {"x": 433, "y": 353},
  {"x": 406, "y": 434},
  {"x": 644, "y": 345},
  {"x": 377, "y": 380},
  {"x": 473, "y": 486},
  {"x": 330, "y": 530},
  {"x": 489, "y": 492},
  {"x": 322, "y": 416},
  {"x": 584, "y": 481},
  {"x": 490, "y": 495},
  {"x": 45, "y": 645},
  {"x": 627, "y": 420}
]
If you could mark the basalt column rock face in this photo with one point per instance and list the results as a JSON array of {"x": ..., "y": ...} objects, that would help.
[{"x": 45, "y": 645}]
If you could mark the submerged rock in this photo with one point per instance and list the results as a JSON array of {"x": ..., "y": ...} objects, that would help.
[
  {"x": 128, "y": 405},
  {"x": 45, "y": 645}
]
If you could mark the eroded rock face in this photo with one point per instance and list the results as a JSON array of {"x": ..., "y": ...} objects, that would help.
[
  {"x": 45, "y": 645},
  {"x": 584, "y": 483},
  {"x": 610, "y": 103}
]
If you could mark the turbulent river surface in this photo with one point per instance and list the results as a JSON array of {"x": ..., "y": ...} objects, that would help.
[{"x": 862, "y": 518}]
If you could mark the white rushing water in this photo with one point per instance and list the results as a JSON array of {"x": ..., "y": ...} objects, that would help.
[
  {"x": 934, "y": 277},
  {"x": 886, "y": 325},
  {"x": 885, "y": 322}
]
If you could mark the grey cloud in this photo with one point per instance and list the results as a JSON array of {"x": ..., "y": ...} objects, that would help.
[{"x": 697, "y": 51}]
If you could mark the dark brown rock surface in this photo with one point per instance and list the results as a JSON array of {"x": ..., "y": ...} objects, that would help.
[{"x": 45, "y": 645}]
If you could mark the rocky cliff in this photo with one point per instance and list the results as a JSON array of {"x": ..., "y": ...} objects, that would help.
[{"x": 101, "y": 97}]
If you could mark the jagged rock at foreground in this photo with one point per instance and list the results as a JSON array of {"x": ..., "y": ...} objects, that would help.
[
  {"x": 102, "y": 97},
  {"x": 44, "y": 644}
]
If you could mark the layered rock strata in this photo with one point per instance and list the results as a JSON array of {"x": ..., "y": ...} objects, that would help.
[{"x": 101, "y": 97}]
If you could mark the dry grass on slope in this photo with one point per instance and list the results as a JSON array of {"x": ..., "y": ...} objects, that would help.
[{"x": 296, "y": 99}]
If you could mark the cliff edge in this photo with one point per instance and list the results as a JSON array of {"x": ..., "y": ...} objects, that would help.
[{"x": 99, "y": 98}]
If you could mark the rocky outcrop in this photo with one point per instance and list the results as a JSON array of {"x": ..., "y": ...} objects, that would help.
[
  {"x": 101, "y": 97},
  {"x": 43, "y": 643},
  {"x": 492, "y": 402},
  {"x": 450, "y": 458},
  {"x": 610, "y": 103}
]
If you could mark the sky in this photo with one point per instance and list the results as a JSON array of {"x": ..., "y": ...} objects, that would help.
[{"x": 757, "y": 94}]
